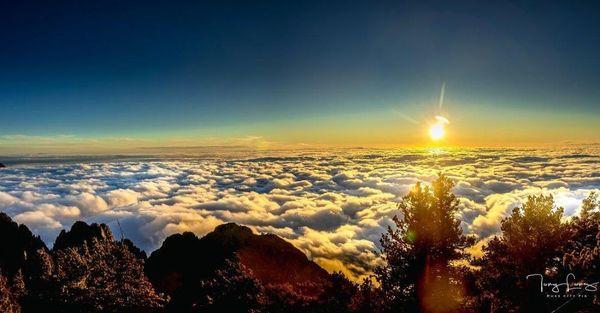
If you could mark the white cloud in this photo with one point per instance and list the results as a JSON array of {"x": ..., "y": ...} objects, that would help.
[
  {"x": 88, "y": 203},
  {"x": 333, "y": 206},
  {"x": 122, "y": 197}
]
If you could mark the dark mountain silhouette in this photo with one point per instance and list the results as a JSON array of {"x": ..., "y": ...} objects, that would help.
[
  {"x": 88, "y": 271},
  {"x": 265, "y": 255},
  {"x": 82, "y": 233},
  {"x": 2, "y": 165},
  {"x": 18, "y": 245},
  {"x": 184, "y": 260}
]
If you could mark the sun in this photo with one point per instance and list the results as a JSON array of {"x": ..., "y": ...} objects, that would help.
[{"x": 437, "y": 131}]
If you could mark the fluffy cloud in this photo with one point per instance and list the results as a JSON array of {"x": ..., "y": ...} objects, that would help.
[
  {"x": 122, "y": 197},
  {"x": 89, "y": 204},
  {"x": 332, "y": 206}
]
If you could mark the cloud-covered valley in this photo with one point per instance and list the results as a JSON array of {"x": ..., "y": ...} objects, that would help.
[{"x": 333, "y": 206}]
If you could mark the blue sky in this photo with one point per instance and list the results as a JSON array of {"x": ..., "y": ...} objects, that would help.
[{"x": 297, "y": 72}]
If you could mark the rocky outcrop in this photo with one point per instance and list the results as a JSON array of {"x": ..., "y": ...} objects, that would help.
[
  {"x": 186, "y": 266},
  {"x": 82, "y": 233},
  {"x": 18, "y": 245},
  {"x": 268, "y": 258},
  {"x": 230, "y": 269}
]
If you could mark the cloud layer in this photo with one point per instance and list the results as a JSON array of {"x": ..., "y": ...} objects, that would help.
[{"x": 333, "y": 206}]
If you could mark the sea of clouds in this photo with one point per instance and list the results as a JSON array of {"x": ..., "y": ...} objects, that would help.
[{"x": 334, "y": 206}]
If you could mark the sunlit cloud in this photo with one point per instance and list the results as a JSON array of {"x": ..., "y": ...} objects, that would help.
[{"x": 332, "y": 205}]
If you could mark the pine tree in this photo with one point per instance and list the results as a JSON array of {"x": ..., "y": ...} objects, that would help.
[
  {"x": 427, "y": 237},
  {"x": 582, "y": 250},
  {"x": 531, "y": 243}
]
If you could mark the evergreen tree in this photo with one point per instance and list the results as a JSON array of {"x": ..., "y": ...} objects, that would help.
[
  {"x": 582, "y": 250},
  {"x": 96, "y": 276},
  {"x": 418, "y": 252},
  {"x": 531, "y": 243},
  {"x": 230, "y": 289}
]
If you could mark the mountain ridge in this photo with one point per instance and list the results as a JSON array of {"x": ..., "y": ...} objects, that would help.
[{"x": 263, "y": 257}]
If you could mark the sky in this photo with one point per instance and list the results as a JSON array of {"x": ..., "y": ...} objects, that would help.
[{"x": 128, "y": 76}]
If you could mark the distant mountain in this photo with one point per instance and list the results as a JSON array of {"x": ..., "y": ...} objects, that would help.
[
  {"x": 2, "y": 165},
  {"x": 185, "y": 259}
]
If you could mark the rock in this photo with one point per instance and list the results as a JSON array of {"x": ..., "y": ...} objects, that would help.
[
  {"x": 18, "y": 245},
  {"x": 82, "y": 233},
  {"x": 270, "y": 259}
]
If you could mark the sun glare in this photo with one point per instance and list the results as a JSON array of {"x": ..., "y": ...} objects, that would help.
[{"x": 436, "y": 131}]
